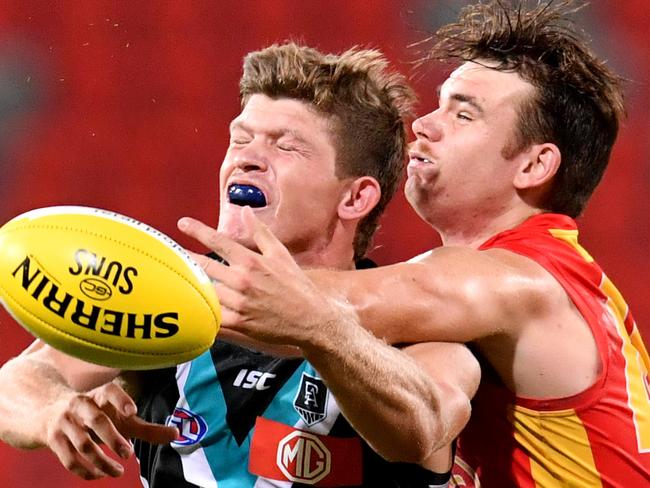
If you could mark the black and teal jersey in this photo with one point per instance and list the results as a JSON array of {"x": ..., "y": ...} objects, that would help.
[{"x": 247, "y": 419}]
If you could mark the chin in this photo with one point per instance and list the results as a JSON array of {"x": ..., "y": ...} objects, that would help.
[
  {"x": 236, "y": 230},
  {"x": 418, "y": 198},
  {"x": 411, "y": 192}
]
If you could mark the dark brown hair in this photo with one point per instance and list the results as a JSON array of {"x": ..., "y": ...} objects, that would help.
[
  {"x": 366, "y": 101},
  {"x": 578, "y": 102}
]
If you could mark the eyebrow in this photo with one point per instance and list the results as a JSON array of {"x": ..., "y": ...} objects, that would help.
[
  {"x": 275, "y": 133},
  {"x": 237, "y": 124},
  {"x": 459, "y": 97},
  {"x": 473, "y": 101}
]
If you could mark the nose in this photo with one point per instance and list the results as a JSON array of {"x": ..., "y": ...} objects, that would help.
[
  {"x": 427, "y": 127},
  {"x": 250, "y": 158}
]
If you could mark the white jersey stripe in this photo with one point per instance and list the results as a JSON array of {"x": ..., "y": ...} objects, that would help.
[{"x": 196, "y": 468}]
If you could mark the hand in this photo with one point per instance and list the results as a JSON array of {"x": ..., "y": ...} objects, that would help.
[
  {"x": 80, "y": 422},
  {"x": 265, "y": 296}
]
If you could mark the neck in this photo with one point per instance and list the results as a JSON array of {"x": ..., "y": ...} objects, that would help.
[
  {"x": 474, "y": 230},
  {"x": 333, "y": 253},
  {"x": 323, "y": 259}
]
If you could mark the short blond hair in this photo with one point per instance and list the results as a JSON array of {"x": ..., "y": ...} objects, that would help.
[{"x": 367, "y": 102}]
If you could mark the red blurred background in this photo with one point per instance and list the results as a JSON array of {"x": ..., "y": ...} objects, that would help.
[{"x": 125, "y": 105}]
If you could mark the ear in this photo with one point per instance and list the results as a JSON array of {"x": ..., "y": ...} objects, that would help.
[
  {"x": 539, "y": 165},
  {"x": 360, "y": 197}
]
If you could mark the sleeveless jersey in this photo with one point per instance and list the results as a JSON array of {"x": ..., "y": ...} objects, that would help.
[
  {"x": 247, "y": 419},
  {"x": 600, "y": 437}
]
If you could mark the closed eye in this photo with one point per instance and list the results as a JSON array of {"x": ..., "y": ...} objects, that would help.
[{"x": 287, "y": 148}]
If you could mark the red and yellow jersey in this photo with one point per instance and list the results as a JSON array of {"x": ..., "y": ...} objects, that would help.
[{"x": 600, "y": 437}]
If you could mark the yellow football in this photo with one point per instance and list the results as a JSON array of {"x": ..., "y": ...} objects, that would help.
[{"x": 106, "y": 288}]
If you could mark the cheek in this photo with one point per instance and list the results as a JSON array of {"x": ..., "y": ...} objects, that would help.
[
  {"x": 309, "y": 199},
  {"x": 226, "y": 167}
]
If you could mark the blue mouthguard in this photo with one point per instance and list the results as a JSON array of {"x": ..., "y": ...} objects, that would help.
[{"x": 246, "y": 195}]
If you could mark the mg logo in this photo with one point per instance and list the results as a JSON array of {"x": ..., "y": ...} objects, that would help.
[{"x": 303, "y": 458}]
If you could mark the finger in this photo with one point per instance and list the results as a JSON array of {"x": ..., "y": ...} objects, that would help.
[
  {"x": 213, "y": 268},
  {"x": 233, "y": 336},
  {"x": 106, "y": 431},
  {"x": 137, "y": 428},
  {"x": 229, "y": 296},
  {"x": 202, "y": 260},
  {"x": 87, "y": 450},
  {"x": 210, "y": 238},
  {"x": 266, "y": 241},
  {"x": 232, "y": 320},
  {"x": 86, "y": 416},
  {"x": 114, "y": 395},
  {"x": 71, "y": 460}
]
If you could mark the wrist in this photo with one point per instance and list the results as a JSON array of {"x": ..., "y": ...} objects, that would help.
[{"x": 331, "y": 335}]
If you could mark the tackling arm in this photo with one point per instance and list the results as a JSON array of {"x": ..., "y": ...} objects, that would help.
[
  {"x": 451, "y": 294},
  {"x": 33, "y": 383}
]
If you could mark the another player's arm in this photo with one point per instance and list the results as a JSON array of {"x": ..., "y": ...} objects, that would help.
[
  {"x": 452, "y": 294},
  {"x": 49, "y": 399}
]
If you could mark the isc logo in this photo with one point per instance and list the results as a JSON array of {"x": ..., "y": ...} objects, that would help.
[
  {"x": 251, "y": 379},
  {"x": 96, "y": 288},
  {"x": 303, "y": 458}
]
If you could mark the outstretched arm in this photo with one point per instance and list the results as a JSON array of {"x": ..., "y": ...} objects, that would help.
[
  {"x": 403, "y": 406},
  {"x": 70, "y": 407}
]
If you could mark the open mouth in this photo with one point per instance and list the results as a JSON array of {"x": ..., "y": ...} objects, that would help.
[
  {"x": 243, "y": 195},
  {"x": 419, "y": 157}
]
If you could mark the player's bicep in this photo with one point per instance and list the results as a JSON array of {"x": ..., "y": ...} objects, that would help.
[
  {"x": 483, "y": 293},
  {"x": 452, "y": 294}
]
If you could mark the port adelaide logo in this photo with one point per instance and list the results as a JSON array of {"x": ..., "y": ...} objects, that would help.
[{"x": 311, "y": 400}]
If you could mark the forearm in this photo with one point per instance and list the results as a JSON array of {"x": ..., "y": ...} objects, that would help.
[
  {"x": 435, "y": 299},
  {"x": 279, "y": 350},
  {"x": 37, "y": 384},
  {"x": 388, "y": 399},
  {"x": 383, "y": 297},
  {"x": 28, "y": 386}
]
